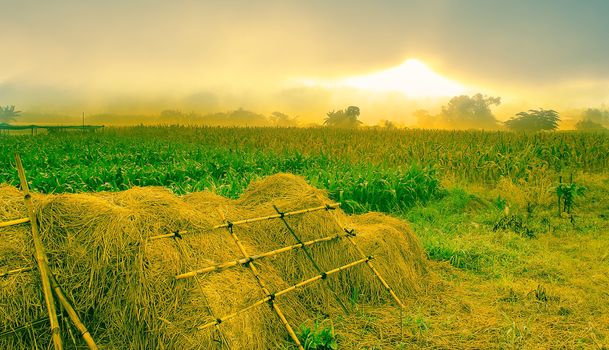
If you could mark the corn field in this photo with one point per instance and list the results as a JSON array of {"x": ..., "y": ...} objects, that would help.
[{"x": 382, "y": 170}]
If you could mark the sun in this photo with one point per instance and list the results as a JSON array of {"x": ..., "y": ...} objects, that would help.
[{"x": 412, "y": 78}]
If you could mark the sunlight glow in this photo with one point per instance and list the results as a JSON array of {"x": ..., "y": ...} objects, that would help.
[{"x": 413, "y": 78}]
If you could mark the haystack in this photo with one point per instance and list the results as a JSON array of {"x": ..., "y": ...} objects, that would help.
[{"x": 122, "y": 282}]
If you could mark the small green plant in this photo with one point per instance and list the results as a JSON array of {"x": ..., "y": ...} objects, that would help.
[
  {"x": 566, "y": 194},
  {"x": 318, "y": 337},
  {"x": 354, "y": 297},
  {"x": 500, "y": 203},
  {"x": 516, "y": 224},
  {"x": 541, "y": 294},
  {"x": 416, "y": 325}
]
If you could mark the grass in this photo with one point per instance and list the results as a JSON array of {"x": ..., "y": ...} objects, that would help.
[{"x": 500, "y": 289}]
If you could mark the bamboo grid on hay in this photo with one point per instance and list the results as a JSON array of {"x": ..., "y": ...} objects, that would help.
[{"x": 123, "y": 283}]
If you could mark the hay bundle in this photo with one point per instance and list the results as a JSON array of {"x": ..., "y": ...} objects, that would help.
[{"x": 122, "y": 282}]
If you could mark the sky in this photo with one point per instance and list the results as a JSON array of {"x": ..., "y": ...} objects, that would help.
[{"x": 304, "y": 57}]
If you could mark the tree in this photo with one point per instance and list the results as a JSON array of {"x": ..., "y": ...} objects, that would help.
[
  {"x": 343, "y": 118},
  {"x": 425, "y": 120},
  {"x": 8, "y": 114},
  {"x": 596, "y": 115},
  {"x": 283, "y": 120},
  {"x": 589, "y": 125},
  {"x": 387, "y": 124},
  {"x": 465, "y": 112},
  {"x": 534, "y": 120}
]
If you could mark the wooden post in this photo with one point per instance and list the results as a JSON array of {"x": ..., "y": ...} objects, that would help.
[{"x": 41, "y": 259}]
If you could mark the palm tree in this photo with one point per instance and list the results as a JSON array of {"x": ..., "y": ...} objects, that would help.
[
  {"x": 8, "y": 114},
  {"x": 343, "y": 118}
]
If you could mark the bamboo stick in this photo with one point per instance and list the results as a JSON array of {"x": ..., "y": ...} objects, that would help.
[
  {"x": 247, "y": 221},
  {"x": 14, "y": 222},
  {"x": 40, "y": 257},
  {"x": 284, "y": 291},
  {"x": 310, "y": 258},
  {"x": 244, "y": 261},
  {"x": 277, "y": 216},
  {"x": 168, "y": 235},
  {"x": 16, "y": 271},
  {"x": 65, "y": 303},
  {"x": 222, "y": 339},
  {"x": 350, "y": 234},
  {"x": 376, "y": 273},
  {"x": 263, "y": 287}
]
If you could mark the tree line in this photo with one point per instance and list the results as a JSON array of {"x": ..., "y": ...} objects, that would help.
[{"x": 461, "y": 112}]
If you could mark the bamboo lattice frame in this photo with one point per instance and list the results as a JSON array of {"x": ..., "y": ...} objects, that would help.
[{"x": 50, "y": 284}]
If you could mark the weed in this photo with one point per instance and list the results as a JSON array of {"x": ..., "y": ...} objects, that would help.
[
  {"x": 318, "y": 337},
  {"x": 566, "y": 194},
  {"x": 514, "y": 223},
  {"x": 417, "y": 325}
]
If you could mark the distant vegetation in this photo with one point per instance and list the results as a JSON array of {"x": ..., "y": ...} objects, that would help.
[
  {"x": 8, "y": 114},
  {"x": 347, "y": 118},
  {"x": 534, "y": 120},
  {"x": 463, "y": 112}
]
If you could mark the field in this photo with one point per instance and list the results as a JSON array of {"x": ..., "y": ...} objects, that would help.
[{"x": 510, "y": 270}]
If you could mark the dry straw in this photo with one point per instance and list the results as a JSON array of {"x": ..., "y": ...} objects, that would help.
[{"x": 123, "y": 283}]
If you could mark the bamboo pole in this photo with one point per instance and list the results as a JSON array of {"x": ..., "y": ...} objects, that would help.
[
  {"x": 244, "y": 261},
  {"x": 277, "y": 216},
  {"x": 14, "y": 222},
  {"x": 40, "y": 257},
  {"x": 254, "y": 270},
  {"x": 350, "y": 234},
  {"x": 310, "y": 258},
  {"x": 16, "y": 271},
  {"x": 178, "y": 233},
  {"x": 272, "y": 297},
  {"x": 222, "y": 339},
  {"x": 65, "y": 303}
]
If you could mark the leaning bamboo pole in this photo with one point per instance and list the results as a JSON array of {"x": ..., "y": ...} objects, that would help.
[
  {"x": 40, "y": 257},
  {"x": 245, "y": 261},
  {"x": 307, "y": 252},
  {"x": 254, "y": 270},
  {"x": 272, "y": 297},
  {"x": 14, "y": 222},
  {"x": 65, "y": 303},
  {"x": 16, "y": 271}
]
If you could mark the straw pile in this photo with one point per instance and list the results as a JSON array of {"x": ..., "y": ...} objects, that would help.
[{"x": 123, "y": 284}]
